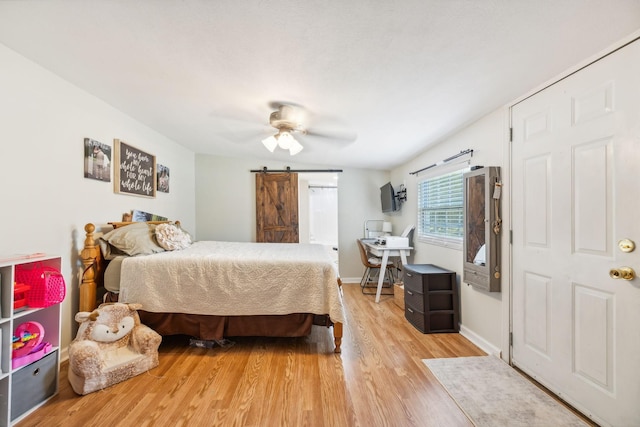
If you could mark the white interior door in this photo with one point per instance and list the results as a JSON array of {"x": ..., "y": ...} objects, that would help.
[{"x": 575, "y": 195}]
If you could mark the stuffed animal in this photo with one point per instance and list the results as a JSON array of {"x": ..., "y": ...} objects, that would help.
[{"x": 111, "y": 346}]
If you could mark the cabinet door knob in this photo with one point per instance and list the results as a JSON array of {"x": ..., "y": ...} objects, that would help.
[{"x": 409, "y": 292}]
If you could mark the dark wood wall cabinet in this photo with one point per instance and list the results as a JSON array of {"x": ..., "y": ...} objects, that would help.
[
  {"x": 482, "y": 228},
  {"x": 431, "y": 298}
]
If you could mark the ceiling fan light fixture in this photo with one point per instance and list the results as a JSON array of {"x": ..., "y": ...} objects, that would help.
[
  {"x": 295, "y": 148},
  {"x": 290, "y": 119},
  {"x": 271, "y": 143},
  {"x": 285, "y": 140}
]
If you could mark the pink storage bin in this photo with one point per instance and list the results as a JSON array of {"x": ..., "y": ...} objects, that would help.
[{"x": 47, "y": 285}]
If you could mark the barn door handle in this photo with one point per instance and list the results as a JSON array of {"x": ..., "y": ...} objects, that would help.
[{"x": 625, "y": 273}]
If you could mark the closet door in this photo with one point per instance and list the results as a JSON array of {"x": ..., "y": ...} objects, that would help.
[
  {"x": 277, "y": 207},
  {"x": 576, "y": 199}
]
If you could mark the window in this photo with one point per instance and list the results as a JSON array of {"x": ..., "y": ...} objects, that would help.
[{"x": 440, "y": 209}]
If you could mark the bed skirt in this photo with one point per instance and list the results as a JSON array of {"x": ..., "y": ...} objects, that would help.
[{"x": 207, "y": 327}]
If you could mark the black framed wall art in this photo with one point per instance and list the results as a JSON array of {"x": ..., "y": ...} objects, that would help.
[{"x": 134, "y": 171}]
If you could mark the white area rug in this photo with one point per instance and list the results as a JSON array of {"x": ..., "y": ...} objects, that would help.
[{"x": 494, "y": 394}]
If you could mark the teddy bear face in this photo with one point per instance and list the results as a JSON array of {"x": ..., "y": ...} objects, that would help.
[{"x": 112, "y": 332}]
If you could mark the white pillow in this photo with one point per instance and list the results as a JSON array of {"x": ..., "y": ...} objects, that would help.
[{"x": 171, "y": 237}]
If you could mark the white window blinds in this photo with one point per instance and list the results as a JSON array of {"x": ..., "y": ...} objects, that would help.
[{"x": 440, "y": 209}]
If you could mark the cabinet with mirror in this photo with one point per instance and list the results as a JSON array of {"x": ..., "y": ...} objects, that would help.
[{"x": 482, "y": 228}]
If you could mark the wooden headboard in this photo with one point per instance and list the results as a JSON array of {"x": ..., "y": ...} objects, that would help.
[{"x": 94, "y": 264}]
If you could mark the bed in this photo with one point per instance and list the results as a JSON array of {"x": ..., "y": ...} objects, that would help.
[{"x": 212, "y": 290}]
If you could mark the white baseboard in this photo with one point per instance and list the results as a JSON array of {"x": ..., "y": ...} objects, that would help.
[
  {"x": 350, "y": 280},
  {"x": 484, "y": 345}
]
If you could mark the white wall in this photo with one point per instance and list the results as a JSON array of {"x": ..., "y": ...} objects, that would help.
[
  {"x": 358, "y": 201},
  {"x": 46, "y": 199},
  {"x": 482, "y": 313},
  {"x": 225, "y": 203}
]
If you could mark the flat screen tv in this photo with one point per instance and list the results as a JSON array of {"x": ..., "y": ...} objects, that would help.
[{"x": 388, "y": 198}]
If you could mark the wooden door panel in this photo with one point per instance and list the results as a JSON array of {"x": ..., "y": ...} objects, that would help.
[{"x": 277, "y": 207}]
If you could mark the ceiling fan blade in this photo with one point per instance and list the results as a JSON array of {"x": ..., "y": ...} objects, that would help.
[
  {"x": 342, "y": 136},
  {"x": 275, "y": 105},
  {"x": 330, "y": 129},
  {"x": 240, "y": 126}
]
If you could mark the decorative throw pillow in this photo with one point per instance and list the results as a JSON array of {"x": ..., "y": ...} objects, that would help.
[
  {"x": 134, "y": 239},
  {"x": 172, "y": 237}
]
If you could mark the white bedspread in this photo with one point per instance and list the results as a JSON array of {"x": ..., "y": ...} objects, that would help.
[{"x": 235, "y": 278}]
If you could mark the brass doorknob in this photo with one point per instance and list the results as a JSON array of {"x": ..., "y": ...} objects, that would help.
[{"x": 624, "y": 273}]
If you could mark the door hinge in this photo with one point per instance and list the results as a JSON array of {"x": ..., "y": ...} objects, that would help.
[
  {"x": 511, "y": 237},
  {"x": 510, "y": 134},
  {"x": 510, "y": 338}
]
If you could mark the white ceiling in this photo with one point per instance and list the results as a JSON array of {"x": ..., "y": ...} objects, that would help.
[{"x": 401, "y": 74}]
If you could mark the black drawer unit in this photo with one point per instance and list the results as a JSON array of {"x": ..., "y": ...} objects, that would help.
[{"x": 431, "y": 298}]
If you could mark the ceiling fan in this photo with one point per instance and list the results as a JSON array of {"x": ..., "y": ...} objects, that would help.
[{"x": 290, "y": 119}]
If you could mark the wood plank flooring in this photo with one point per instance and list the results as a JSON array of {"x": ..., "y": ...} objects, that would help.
[{"x": 378, "y": 380}]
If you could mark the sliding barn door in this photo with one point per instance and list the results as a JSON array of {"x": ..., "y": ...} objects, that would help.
[
  {"x": 576, "y": 210},
  {"x": 277, "y": 207}
]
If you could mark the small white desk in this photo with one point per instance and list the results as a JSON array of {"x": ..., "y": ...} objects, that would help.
[{"x": 386, "y": 252}]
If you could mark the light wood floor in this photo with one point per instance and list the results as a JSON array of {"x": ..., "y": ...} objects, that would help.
[{"x": 378, "y": 380}]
